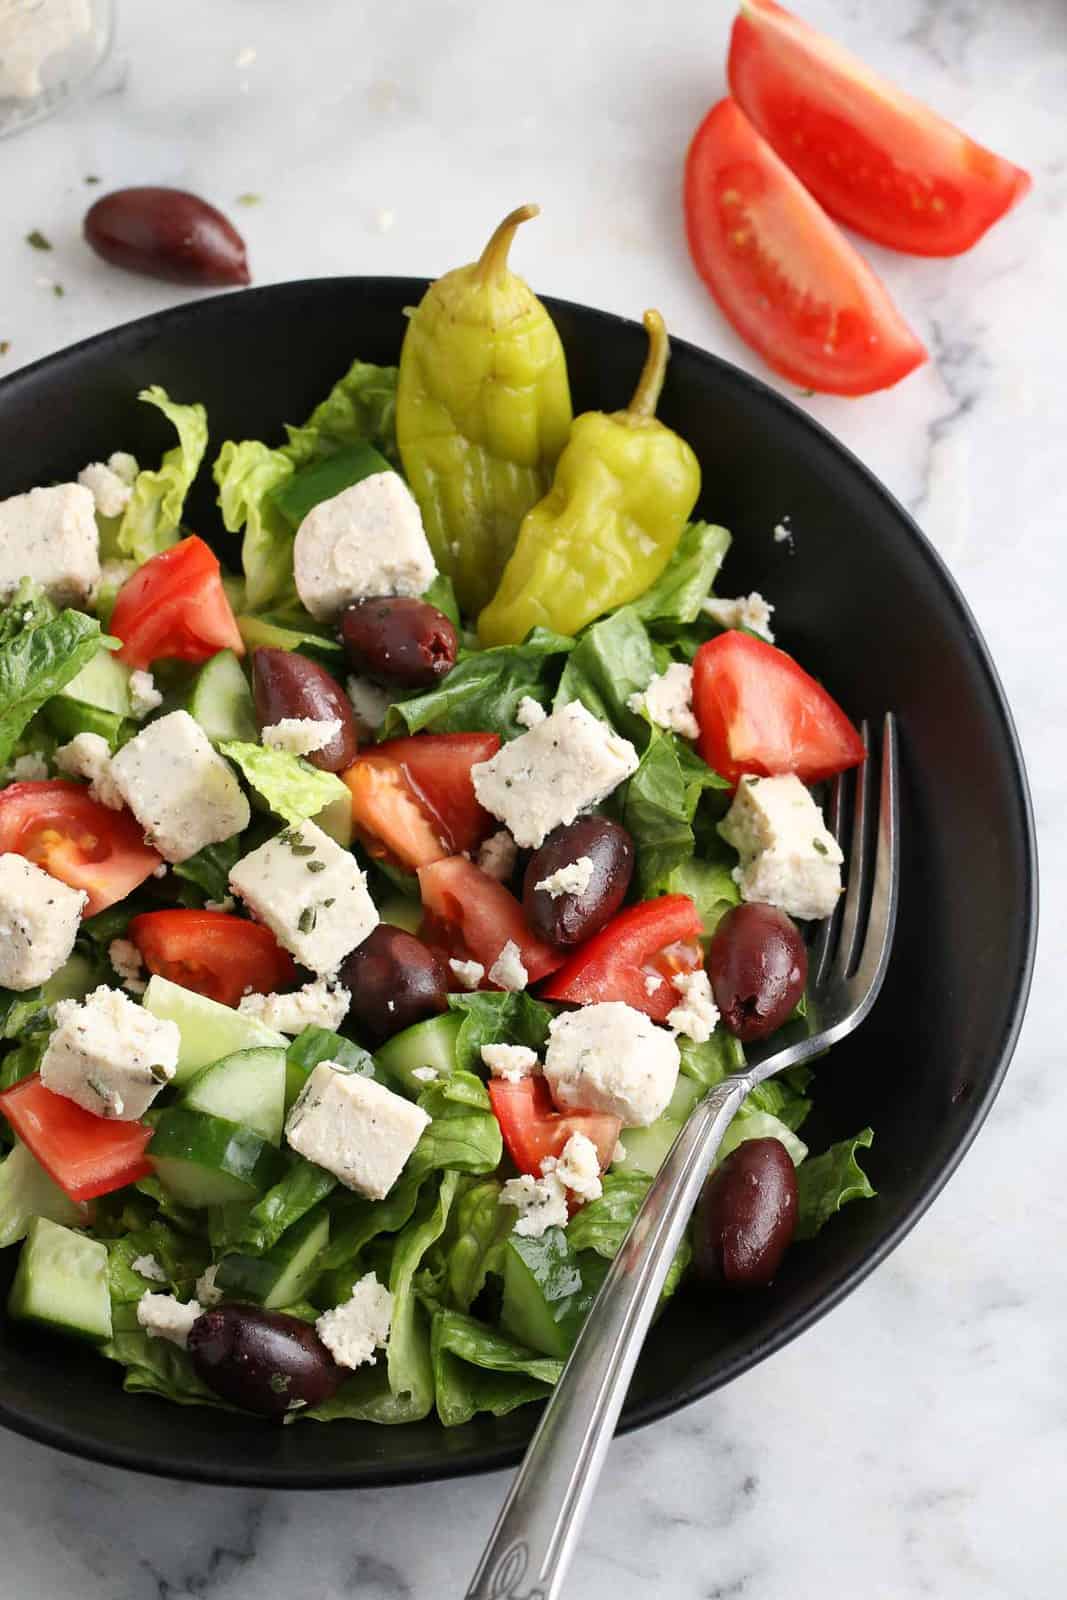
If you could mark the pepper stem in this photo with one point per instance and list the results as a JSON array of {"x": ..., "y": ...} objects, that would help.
[
  {"x": 492, "y": 263},
  {"x": 650, "y": 383}
]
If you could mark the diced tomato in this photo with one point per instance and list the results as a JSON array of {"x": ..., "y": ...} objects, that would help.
[
  {"x": 782, "y": 272},
  {"x": 760, "y": 712},
  {"x": 475, "y": 917},
  {"x": 61, "y": 828},
  {"x": 654, "y": 939},
  {"x": 85, "y": 1155},
  {"x": 533, "y": 1129},
  {"x": 212, "y": 953},
  {"x": 874, "y": 157},
  {"x": 413, "y": 800},
  {"x": 174, "y": 607}
]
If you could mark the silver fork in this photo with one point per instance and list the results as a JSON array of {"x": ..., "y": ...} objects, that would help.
[{"x": 537, "y": 1530}]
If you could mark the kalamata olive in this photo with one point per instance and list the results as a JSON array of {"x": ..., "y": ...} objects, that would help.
[
  {"x": 399, "y": 641},
  {"x": 758, "y": 965},
  {"x": 746, "y": 1215},
  {"x": 169, "y": 234},
  {"x": 289, "y": 685},
  {"x": 395, "y": 980},
  {"x": 594, "y": 854},
  {"x": 260, "y": 1360}
]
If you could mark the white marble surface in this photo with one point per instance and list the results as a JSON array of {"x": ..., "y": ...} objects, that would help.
[{"x": 915, "y": 1443}]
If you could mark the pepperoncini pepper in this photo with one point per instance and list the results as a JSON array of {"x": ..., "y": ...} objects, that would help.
[
  {"x": 483, "y": 411},
  {"x": 624, "y": 490}
]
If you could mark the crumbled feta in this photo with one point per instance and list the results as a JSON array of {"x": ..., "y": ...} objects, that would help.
[
  {"x": 181, "y": 791},
  {"x": 354, "y": 1128},
  {"x": 789, "y": 858},
  {"x": 668, "y": 701},
  {"x": 163, "y": 1316},
  {"x": 50, "y": 535},
  {"x": 144, "y": 696},
  {"x": 126, "y": 960},
  {"x": 149, "y": 1268},
  {"x": 569, "y": 762},
  {"x": 541, "y": 1203},
  {"x": 367, "y": 540},
  {"x": 39, "y": 921},
  {"x": 574, "y": 878},
  {"x": 88, "y": 755},
  {"x": 317, "y": 1005},
  {"x": 369, "y": 703},
  {"x": 301, "y": 736},
  {"x": 310, "y": 893},
  {"x": 425, "y": 1074},
  {"x": 469, "y": 973},
  {"x": 207, "y": 1291},
  {"x": 698, "y": 1014},
  {"x": 30, "y": 768},
  {"x": 109, "y": 1055},
  {"x": 531, "y": 713},
  {"x": 110, "y": 492},
  {"x": 124, "y": 466},
  {"x": 619, "y": 1153},
  {"x": 578, "y": 1168},
  {"x": 749, "y": 611},
  {"x": 498, "y": 855},
  {"x": 226, "y": 904},
  {"x": 512, "y": 1062},
  {"x": 352, "y": 1332},
  {"x": 609, "y": 1057},
  {"x": 653, "y": 981},
  {"x": 507, "y": 971}
]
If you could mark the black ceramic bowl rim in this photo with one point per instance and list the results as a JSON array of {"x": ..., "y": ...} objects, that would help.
[{"x": 368, "y": 1473}]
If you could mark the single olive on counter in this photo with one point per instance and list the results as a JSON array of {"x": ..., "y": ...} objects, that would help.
[
  {"x": 289, "y": 685},
  {"x": 395, "y": 980},
  {"x": 758, "y": 965},
  {"x": 398, "y": 641},
  {"x": 594, "y": 854},
  {"x": 746, "y": 1216},
  {"x": 169, "y": 234},
  {"x": 264, "y": 1361}
]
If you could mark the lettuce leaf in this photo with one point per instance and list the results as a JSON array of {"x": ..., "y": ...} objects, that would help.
[
  {"x": 210, "y": 868},
  {"x": 482, "y": 692},
  {"x": 39, "y": 655},
  {"x": 355, "y": 1221},
  {"x": 471, "y": 1247},
  {"x": 657, "y": 806},
  {"x": 156, "y": 1366},
  {"x": 253, "y": 1230},
  {"x": 612, "y": 660},
  {"x": 152, "y": 519},
  {"x": 478, "y": 1369},
  {"x": 513, "y": 1017},
  {"x": 710, "y": 1062},
  {"x": 709, "y": 884},
  {"x": 826, "y": 1183},
  {"x": 686, "y": 581},
  {"x": 292, "y": 788},
  {"x": 464, "y": 1135},
  {"x": 603, "y": 1224},
  {"x": 361, "y": 405}
]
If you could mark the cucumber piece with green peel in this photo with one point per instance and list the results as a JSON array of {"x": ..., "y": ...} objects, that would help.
[
  {"x": 67, "y": 718},
  {"x": 324, "y": 479},
  {"x": 203, "y": 1160},
  {"x": 285, "y": 1273},
  {"x": 646, "y": 1148},
  {"x": 61, "y": 1282},
  {"x": 266, "y": 630},
  {"x": 221, "y": 700},
  {"x": 26, "y": 1191},
  {"x": 247, "y": 1087},
  {"x": 335, "y": 820},
  {"x": 548, "y": 1290},
  {"x": 401, "y": 912},
  {"x": 104, "y": 683},
  {"x": 209, "y": 1031},
  {"x": 427, "y": 1044},
  {"x": 75, "y": 978}
]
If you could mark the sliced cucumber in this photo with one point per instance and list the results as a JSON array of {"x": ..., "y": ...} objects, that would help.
[
  {"x": 256, "y": 631},
  {"x": 203, "y": 1160},
  {"x": 760, "y": 1125},
  {"x": 646, "y": 1148},
  {"x": 61, "y": 1282},
  {"x": 209, "y": 1031},
  {"x": 322, "y": 480},
  {"x": 221, "y": 700},
  {"x": 284, "y": 1274},
  {"x": 73, "y": 981},
  {"x": 26, "y": 1191},
  {"x": 336, "y": 820},
  {"x": 247, "y": 1087},
  {"x": 428, "y": 1044},
  {"x": 401, "y": 912},
  {"x": 547, "y": 1291},
  {"x": 103, "y": 683},
  {"x": 68, "y": 718}
]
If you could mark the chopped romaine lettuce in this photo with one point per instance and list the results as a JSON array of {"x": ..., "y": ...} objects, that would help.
[
  {"x": 482, "y": 692},
  {"x": 152, "y": 518},
  {"x": 492, "y": 1017},
  {"x": 292, "y": 788},
  {"x": 828, "y": 1182},
  {"x": 41, "y": 650}
]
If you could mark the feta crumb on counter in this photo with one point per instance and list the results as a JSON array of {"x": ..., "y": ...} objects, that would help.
[
  {"x": 507, "y": 971},
  {"x": 789, "y": 858},
  {"x": 39, "y": 921},
  {"x": 512, "y": 1062},
  {"x": 149, "y": 1268},
  {"x": 574, "y": 878},
  {"x": 531, "y": 713},
  {"x": 164, "y": 1316},
  {"x": 668, "y": 701},
  {"x": 610, "y": 1057},
  {"x": 321, "y": 1004},
  {"x": 88, "y": 755},
  {"x": 749, "y": 611},
  {"x": 126, "y": 960},
  {"x": 498, "y": 855},
  {"x": 352, "y": 1332},
  {"x": 301, "y": 736},
  {"x": 540, "y": 1202},
  {"x": 698, "y": 1014},
  {"x": 367, "y": 540},
  {"x": 144, "y": 696}
]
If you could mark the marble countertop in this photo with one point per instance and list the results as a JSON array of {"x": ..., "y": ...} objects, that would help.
[{"x": 915, "y": 1442}]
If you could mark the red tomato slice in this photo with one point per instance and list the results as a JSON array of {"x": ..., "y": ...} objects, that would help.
[
  {"x": 760, "y": 712},
  {"x": 782, "y": 272},
  {"x": 85, "y": 1155},
  {"x": 61, "y": 828},
  {"x": 533, "y": 1129},
  {"x": 413, "y": 800},
  {"x": 655, "y": 938},
  {"x": 874, "y": 157},
  {"x": 175, "y": 607},
  {"x": 212, "y": 953},
  {"x": 477, "y": 916}
]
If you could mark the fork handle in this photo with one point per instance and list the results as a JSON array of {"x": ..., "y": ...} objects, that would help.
[{"x": 533, "y": 1541}]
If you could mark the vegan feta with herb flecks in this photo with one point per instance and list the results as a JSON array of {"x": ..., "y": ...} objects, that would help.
[
  {"x": 563, "y": 766},
  {"x": 610, "y": 1057},
  {"x": 540, "y": 1202},
  {"x": 574, "y": 878},
  {"x": 164, "y": 1316},
  {"x": 310, "y": 893},
  {"x": 126, "y": 961},
  {"x": 182, "y": 792},
  {"x": 749, "y": 611},
  {"x": 109, "y": 1055},
  {"x": 366, "y": 541},
  {"x": 696, "y": 1013},
  {"x": 110, "y": 483},
  {"x": 512, "y": 1062},
  {"x": 88, "y": 755},
  {"x": 354, "y": 1331},
  {"x": 507, "y": 971},
  {"x": 469, "y": 973},
  {"x": 39, "y": 921},
  {"x": 356, "y": 1129},
  {"x": 667, "y": 700},
  {"x": 50, "y": 535},
  {"x": 317, "y": 1005},
  {"x": 149, "y": 1268},
  {"x": 301, "y": 736},
  {"x": 498, "y": 855},
  {"x": 578, "y": 1167},
  {"x": 789, "y": 858},
  {"x": 144, "y": 696}
]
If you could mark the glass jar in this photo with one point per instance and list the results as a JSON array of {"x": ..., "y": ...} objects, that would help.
[{"x": 49, "y": 51}]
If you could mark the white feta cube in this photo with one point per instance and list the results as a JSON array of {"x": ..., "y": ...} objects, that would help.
[
  {"x": 668, "y": 701},
  {"x": 144, "y": 696},
  {"x": 88, "y": 755},
  {"x": 367, "y": 540},
  {"x": 697, "y": 1014},
  {"x": 354, "y": 1128},
  {"x": 749, "y": 611},
  {"x": 369, "y": 703},
  {"x": 352, "y": 1332},
  {"x": 789, "y": 858},
  {"x": 469, "y": 973},
  {"x": 512, "y": 1062},
  {"x": 317, "y": 1005},
  {"x": 301, "y": 736},
  {"x": 126, "y": 961},
  {"x": 164, "y": 1316},
  {"x": 182, "y": 792},
  {"x": 609, "y": 1057},
  {"x": 310, "y": 893},
  {"x": 546, "y": 777},
  {"x": 110, "y": 492},
  {"x": 50, "y": 535},
  {"x": 574, "y": 878},
  {"x": 39, "y": 920},
  {"x": 540, "y": 1202},
  {"x": 498, "y": 855},
  {"x": 507, "y": 971},
  {"x": 109, "y": 1055},
  {"x": 578, "y": 1168}
]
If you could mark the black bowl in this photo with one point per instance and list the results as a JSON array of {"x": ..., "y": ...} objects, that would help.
[{"x": 863, "y": 601}]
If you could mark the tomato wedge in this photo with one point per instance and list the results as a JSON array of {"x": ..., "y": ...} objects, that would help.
[
  {"x": 61, "y": 828},
  {"x": 212, "y": 953},
  {"x": 760, "y": 712},
  {"x": 533, "y": 1129},
  {"x": 874, "y": 157},
  {"x": 413, "y": 800},
  {"x": 646, "y": 941},
  {"x": 475, "y": 916},
  {"x": 175, "y": 607},
  {"x": 85, "y": 1155},
  {"x": 782, "y": 272}
]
